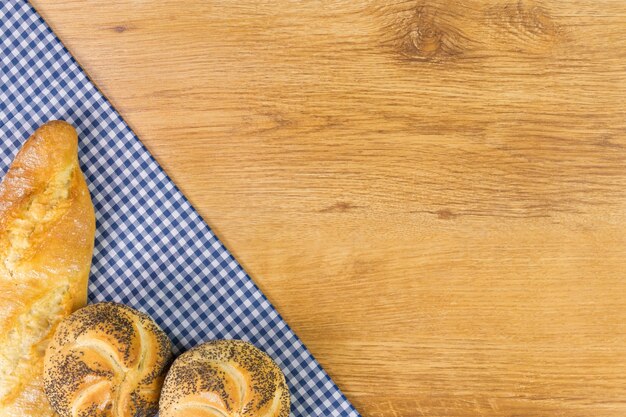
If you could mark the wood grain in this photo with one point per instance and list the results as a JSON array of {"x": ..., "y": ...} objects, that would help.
[{"x": 433, "y": 193}]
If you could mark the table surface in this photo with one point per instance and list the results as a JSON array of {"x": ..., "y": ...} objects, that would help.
[{"x": 432, "y": 193}]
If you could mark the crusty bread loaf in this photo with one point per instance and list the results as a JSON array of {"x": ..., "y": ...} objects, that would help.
[
  {"x": 224, "y": 378},
  {"x": 46, "y": 242},
  {"x": 106, "y": 360}
]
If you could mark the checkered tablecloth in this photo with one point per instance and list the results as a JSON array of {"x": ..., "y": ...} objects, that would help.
[{"x": 153, "y": 251}]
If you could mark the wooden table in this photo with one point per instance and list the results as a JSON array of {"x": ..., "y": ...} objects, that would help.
[{"x": 433, "y": 193}]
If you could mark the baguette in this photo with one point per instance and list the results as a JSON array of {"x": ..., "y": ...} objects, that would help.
[{"x": 47, "y": 227}]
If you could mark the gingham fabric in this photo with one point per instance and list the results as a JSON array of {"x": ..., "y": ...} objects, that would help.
[{"x": 153, "y": 251}]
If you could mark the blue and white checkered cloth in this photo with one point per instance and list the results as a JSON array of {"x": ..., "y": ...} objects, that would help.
[{"x": 153, "y": 251}]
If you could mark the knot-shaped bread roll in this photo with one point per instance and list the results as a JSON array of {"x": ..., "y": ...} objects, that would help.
[
  {"x": 224, "y": 378},
  {"x": 106, "y": 360}
]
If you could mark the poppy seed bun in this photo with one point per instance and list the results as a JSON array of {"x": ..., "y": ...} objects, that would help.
[
  {"x": 106, "y": 360},
  {"x": 224, "y": 378}
]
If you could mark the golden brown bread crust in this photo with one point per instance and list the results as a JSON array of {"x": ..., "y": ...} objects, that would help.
[
  {"x": 106, "y": 360},
  {"x": 47, "y": 228},
  {"x": 224, "y": 378}
]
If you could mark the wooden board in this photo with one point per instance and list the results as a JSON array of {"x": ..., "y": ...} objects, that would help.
[{"x": 433, "y": 193}]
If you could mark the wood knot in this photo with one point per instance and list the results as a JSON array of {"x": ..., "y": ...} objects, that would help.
[
  {"x": 120, "y": 28},
  {"x": 339, "y": 207},
  {"x": 426, "y": 33},
  {"x": 445, "y": 214},
  {"x": 531, "y": 25},
  {"x": 426, "y": 41}
]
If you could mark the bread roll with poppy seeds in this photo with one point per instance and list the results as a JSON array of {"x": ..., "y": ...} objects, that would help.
[
  {"x": 224, "y": 378},
  {"x": 106, "y": 360},
  {"x": 47, "y": 228}
]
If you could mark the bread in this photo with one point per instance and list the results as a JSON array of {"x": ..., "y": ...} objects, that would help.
[
  {"x": 106, "y": 360},
  {"x": 224, "y": 378},
  {"x": 47, "y": 229}
]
